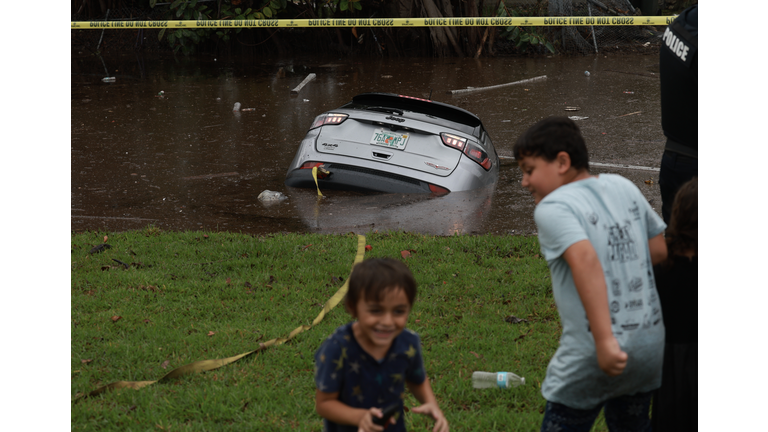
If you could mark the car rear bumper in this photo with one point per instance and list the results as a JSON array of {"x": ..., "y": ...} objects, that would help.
[{"x": 350, "y": 177}]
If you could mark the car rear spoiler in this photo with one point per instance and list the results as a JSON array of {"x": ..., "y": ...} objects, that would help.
[{"x": 423, "y": 106}]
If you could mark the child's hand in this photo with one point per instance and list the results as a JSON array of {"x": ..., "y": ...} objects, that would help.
[
  {"x": 610, "y": 357},
  {"x": 441, "y": 424},
  {"x": 366, "y": 423}
]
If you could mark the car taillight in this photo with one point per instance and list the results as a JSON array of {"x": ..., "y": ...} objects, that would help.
[
  {"x": 478, "y": 155},
  {"x": 454, "y": 141},
  {"x": 328, "y": 119},
  {"x": 474, "y": 152},
  {"x": 438, "y": 191}
]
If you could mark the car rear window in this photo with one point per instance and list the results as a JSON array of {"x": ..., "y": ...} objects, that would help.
[{"x": 467, "y": 122}]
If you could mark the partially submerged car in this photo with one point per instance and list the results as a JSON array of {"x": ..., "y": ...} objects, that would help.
[{"x": 382, "y": 142}]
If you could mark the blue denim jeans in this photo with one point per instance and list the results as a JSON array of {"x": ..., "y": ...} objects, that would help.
[{"x": 622, "y": 414}]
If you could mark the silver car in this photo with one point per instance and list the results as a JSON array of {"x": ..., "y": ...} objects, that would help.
[{"x": 382, "y": 142}]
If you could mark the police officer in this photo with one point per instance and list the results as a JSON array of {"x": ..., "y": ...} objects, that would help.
[{"x": 679, "y": 70}]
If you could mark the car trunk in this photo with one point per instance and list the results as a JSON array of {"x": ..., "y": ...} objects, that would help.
[{"x": 367, "y": 137}]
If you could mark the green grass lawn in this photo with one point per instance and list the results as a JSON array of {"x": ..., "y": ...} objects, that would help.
[{"x": 195, "y": 296}]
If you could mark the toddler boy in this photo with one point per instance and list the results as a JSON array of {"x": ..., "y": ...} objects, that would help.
[{"x": 365, "y": 365}]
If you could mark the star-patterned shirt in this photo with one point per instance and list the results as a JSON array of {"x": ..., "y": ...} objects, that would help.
[{"x": 341, "y": 365}]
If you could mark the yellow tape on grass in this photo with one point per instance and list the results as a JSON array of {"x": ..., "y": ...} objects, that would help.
[{"x": 207, "y": 365}]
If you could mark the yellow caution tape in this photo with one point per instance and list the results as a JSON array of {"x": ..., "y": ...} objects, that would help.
[
  {"x": 385, "y": 22},
  {"x": 314, "y": 176},
  {"x": 207, "y": 365}
]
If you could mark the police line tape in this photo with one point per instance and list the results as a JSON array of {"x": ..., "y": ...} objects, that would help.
[
  {"x": 385, "y": 22},
  {"x": 209, "y": 365}
]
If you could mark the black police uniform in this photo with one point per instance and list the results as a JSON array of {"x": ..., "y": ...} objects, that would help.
[{"x": 679, "y": 70}]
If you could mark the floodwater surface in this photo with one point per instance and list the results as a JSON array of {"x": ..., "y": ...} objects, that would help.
[{"x": 162, "y": 146}]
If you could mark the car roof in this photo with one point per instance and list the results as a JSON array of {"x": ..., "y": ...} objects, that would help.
[{"x": 423, "y": 106}]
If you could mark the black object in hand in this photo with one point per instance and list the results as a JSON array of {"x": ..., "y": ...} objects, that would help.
[{"x": 386, "y": 413}]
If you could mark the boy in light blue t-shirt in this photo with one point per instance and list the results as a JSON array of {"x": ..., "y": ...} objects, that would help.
[{"x": 600, "y": 238}]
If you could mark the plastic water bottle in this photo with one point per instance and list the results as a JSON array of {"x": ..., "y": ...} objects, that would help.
[{"x": 503, "y": 380}]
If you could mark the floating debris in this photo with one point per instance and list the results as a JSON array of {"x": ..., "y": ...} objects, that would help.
[
  {"x": 633, "y": 113},
  {"x": 269, "y": 195},
  {"x": 473, "y": 89},
  {"x": 298, "y": 88}
]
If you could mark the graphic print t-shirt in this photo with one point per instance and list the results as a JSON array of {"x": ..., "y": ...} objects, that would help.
[{"x": 615, "y": 217}]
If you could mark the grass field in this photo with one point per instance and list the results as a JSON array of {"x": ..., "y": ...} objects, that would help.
[{"x": 193, "y": 296}]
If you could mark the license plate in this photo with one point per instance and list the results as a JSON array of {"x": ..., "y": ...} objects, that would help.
[{"x": 389, "y": 139}]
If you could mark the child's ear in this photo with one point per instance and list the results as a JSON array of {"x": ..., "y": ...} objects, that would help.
[{"x": 564, "y": 162}]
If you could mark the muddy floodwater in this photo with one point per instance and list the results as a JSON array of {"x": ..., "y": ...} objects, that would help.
[{"x": 162, "y": 146}]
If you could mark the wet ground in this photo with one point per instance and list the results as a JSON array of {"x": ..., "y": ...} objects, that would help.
[{"x": 162, "y": 146}]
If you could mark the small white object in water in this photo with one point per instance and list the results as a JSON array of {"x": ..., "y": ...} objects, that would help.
[
  {"x": 586, "y": 73},
  {"x": 269, "y": 195},
  {"x": 236, "y": 107},
  {"x": 577, "y": 118}
]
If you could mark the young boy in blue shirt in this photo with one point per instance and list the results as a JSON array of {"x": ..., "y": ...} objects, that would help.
[
  {"x": 600, "y": 238},
  {"x": 365, "y": 365}
]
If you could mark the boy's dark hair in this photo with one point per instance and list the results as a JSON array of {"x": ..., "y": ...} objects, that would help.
[
  {"x": 549, "y": 137},
  {"x": 371, "y": 278},
  {"x": 683, "y": 230}
]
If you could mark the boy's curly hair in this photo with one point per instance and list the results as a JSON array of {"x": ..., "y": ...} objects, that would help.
[
  {"x": 683, "y": 231},
  {"x": 549, "y": 137}
]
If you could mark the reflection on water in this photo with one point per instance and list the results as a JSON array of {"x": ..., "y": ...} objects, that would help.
[
  {"x": 457, "y": 212},
  {"x": 161, "y": 144}
]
